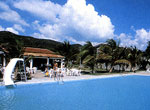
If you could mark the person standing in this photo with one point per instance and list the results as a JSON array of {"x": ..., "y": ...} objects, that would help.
[{"x": 55, "y": 67}]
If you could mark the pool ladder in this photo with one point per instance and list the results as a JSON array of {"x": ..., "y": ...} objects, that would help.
[{"x": 23, "y": 76}]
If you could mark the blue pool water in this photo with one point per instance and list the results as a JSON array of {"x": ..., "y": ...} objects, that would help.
[{"x": 117, "y": 93}]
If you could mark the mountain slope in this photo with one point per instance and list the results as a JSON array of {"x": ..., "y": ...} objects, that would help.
[{"x": 27, "y": 41}]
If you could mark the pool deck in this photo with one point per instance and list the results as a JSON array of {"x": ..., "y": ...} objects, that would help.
[{"x": 41, "y": 79}]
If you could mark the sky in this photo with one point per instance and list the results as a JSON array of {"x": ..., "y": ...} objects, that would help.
[{"x": 78, "y": 21}]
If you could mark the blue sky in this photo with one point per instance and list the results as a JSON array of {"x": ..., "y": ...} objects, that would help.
[{"x": 79, "y": 21}]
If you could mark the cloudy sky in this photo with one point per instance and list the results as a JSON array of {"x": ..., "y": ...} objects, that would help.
[{"x": 78, "y": 21}]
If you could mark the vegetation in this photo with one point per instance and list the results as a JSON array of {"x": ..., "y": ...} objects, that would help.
[
  {"x": 109, "y": 54},
  {"x": 14, "y": 43},
  {"x": 88, "y": 55},
  {"x": 26, "y": 41},
  {"x": 69, "y": 51},
  {"x": 112, "y": 54}
]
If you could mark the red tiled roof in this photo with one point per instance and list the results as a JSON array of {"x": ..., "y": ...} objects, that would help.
[{"x": 38, "y": 52}]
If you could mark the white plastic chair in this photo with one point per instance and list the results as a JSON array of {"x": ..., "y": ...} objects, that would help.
[
  {"x": 76, "y": 72},
  {"x": 51, "y": 73},
  {"x": 63, "y": 71},
  {"x": 69, "y": 72},
  {"x": 28, "y": 69},
  {"x": 34, "y": 69}
]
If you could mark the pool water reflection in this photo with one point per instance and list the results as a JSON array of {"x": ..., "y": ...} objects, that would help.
[{"x": 117, "y": 93}]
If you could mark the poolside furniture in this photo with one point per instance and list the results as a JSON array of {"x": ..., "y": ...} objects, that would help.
[
  {"x": 31, "y": 70},
  {"x": 34, "y": 69},
  {"x": 63, "y": 71},
  {"x": 60, "y": 73},
  {"x": 75, "y": 72},
  {"x": 148, "y": 70},
  {"x": 51, "y": 73},
  {"x": 69, "y": 72},
  {"x": 28, "y": 69}
]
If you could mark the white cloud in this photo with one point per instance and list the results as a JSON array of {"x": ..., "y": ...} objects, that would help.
[
  {"x": 140, "y": 39},
  {"x": 95, "y": 43},
  {"x": 38, "y": 35},
  {"x": 18, "y": 27},
  {"x": 10, "y": 15},
  {"x": 48, "y": 31},
  {"x": 75, "y": 19},
  {"x": 126, "y": 40},
  {"x": 12, "y": 30},
  {"x": 143, "y": 35},
  {"x": 71, "y": 39},
  {"x": 44, "y": 9},
  {"x": 1, "y": 28},
  {"x": 85, "y": 20}
]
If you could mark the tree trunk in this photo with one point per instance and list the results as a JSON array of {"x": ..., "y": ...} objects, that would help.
[
  {"x": 111, "y": 69},
  {"x": 119, "y": 67},
  {"x": 106, "y": 64},
  {"x": 92, "y": 69}
]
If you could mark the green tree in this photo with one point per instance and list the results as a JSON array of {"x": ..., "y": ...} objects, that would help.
[
  {"x": 114, "y": 54},
  {"x": 147, "y": 51},
  {"x": 145, "y": 57},
  {"x": 69, "y": 52},
  {"x": 134, "y": 57},
  {"x": 88, "y": 55},
  {"x": 14, "y": 48},
  {"x": 103, "y": 55}
]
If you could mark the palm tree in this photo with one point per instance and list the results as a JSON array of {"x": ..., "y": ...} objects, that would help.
[
  {"x": 14, "y": 48},
  {"x": 147, "y": 51},
  {"x": 134, "y": 57},
  {"x": 88, "y": 55},
  {"x": 145, "y": 57},
  {"x": 69, "y": 52},
  {"x": 113, "y": 53},
  {"x": 103, "y": 55},
  {"x": 65, "y": 50}
]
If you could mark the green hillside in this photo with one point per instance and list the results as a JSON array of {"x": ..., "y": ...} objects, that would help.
[
  {"x": 27, "y": 41},
  {"x": 13, "y": 43}
]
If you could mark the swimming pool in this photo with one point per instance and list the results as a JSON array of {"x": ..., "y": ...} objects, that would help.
[{"x": 117, "y": 93}]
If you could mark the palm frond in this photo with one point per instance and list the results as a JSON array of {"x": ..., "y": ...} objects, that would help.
[
  {"x": 123, "y": 61},
  {"x": 89, "y": 58}
]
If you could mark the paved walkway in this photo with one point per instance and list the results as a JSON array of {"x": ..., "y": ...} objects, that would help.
[{"x": 40, "y": 78}]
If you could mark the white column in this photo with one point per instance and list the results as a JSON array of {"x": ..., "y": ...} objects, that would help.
[
  {"x": 47, "y": 61},
  {"x": 31, "y": 63},
  {"x": 4, "y": 62},
  {"x": 61, "y": 63}
]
